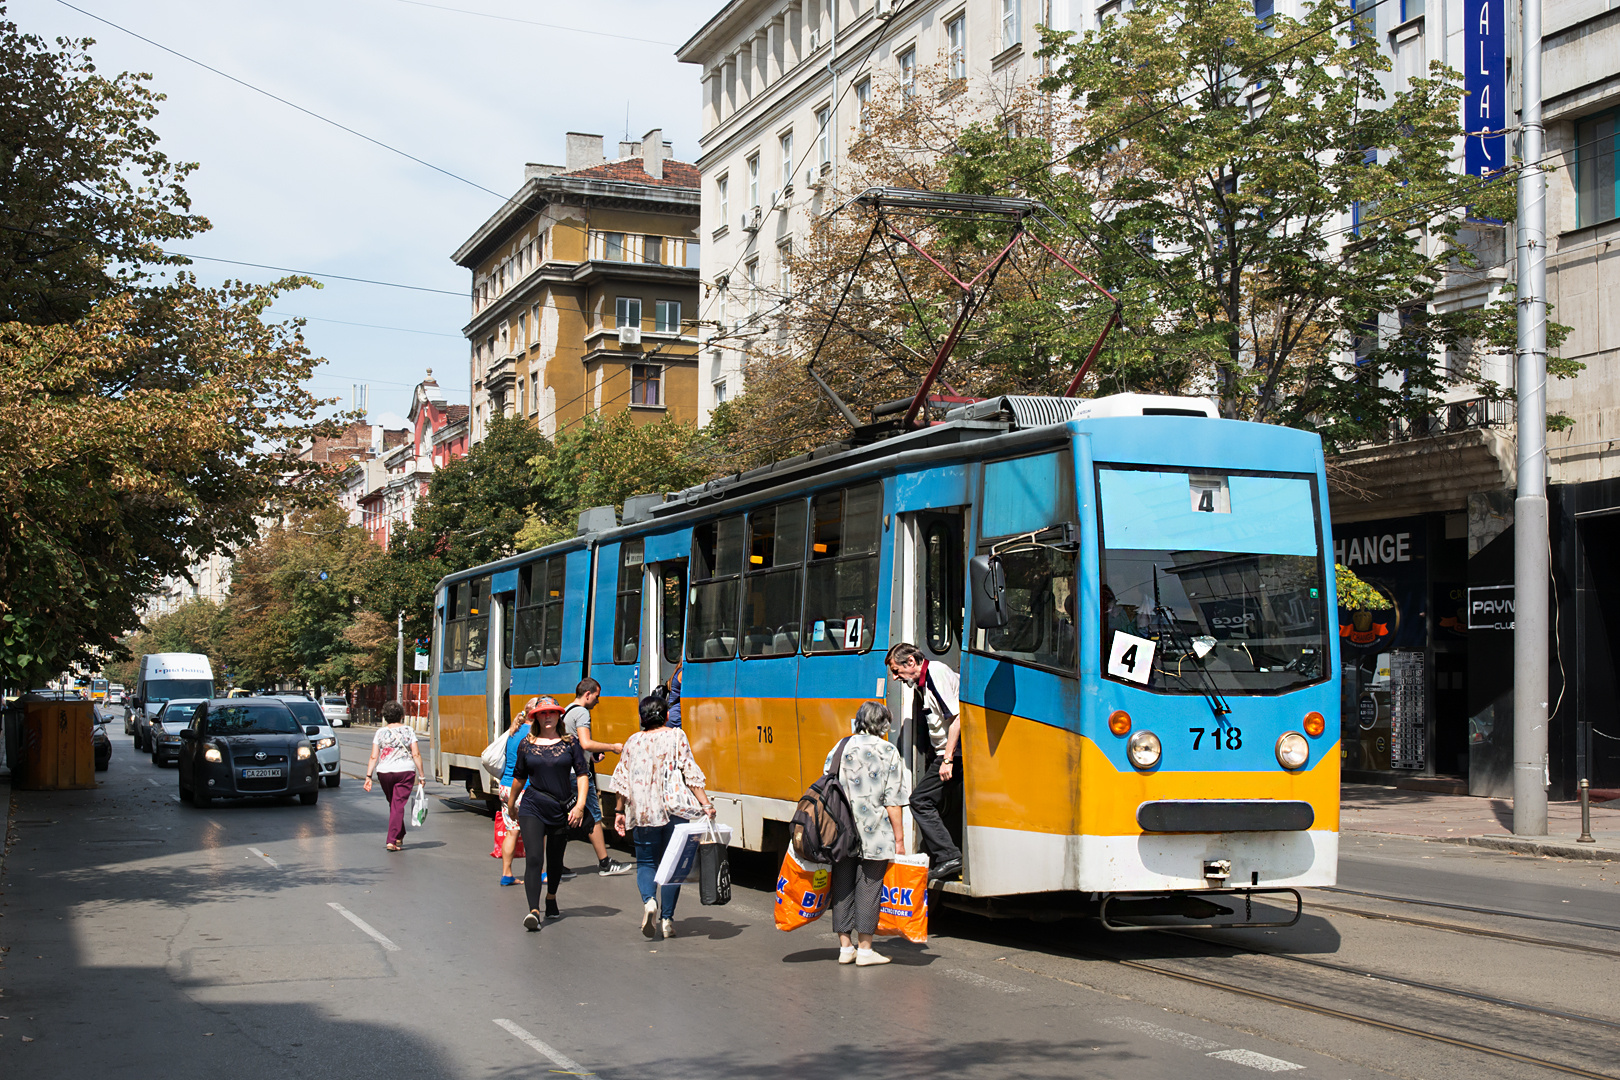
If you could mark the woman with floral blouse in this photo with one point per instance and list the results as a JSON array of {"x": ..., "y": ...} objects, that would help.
[
  {"x": 878, "y": 787},
  {"x": 659, "y": 786}
]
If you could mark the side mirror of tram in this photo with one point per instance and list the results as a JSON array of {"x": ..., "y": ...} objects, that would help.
[{"x": 989, "y": 587}]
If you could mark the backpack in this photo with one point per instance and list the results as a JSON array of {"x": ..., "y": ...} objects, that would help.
[{"x": 823, "y": 826}]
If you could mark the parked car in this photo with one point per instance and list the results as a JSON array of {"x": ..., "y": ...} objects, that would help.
[
  {"x": 163, "y": 731},
  {"x": 245, "y": 747},
  {"x": 327, "y": 751},
  {"x": 336, "y": 708},
  {"x": 102, "y": 743}
]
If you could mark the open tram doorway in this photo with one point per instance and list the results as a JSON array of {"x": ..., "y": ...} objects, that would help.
[
  {"x": 663, "y": 622},
  {"x": 929, "y": 589}
]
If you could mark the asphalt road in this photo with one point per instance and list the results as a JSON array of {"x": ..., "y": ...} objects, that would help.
[{"x": 265, "y": 939}]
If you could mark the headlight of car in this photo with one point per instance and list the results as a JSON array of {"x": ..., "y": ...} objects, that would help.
[
  {"x": 211, "y": 753},
  {"x": 1292, "y": 750},
  {"x": 304, "y": 751},
  {"x": 1144, "y": 749},
  {"x": 324, "y": 743}
]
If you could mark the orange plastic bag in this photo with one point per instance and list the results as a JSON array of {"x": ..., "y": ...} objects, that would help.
[
  {"x": 801, "y": 892},
  {"x": 903, "y": 904}
]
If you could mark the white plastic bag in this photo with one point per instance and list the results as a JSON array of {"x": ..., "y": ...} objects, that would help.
[
  {"x": 419, "y": 808},
  {"x": 679, "y": 863}
]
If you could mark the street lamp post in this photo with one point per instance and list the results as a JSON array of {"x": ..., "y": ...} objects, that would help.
[
  {"x": 1530, "y": 539},
  {"x": 399, "y": 664}
]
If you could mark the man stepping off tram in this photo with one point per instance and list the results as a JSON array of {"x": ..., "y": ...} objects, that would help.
[{"x": 936, "y": 727}]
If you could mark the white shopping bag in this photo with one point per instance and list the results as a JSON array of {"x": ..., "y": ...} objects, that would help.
[
  {"x": 419, "y": 808},
  {"x": 680, "y": 858}
]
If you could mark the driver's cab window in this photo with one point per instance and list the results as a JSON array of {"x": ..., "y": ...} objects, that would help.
[{"x": 1028, "y": 523}]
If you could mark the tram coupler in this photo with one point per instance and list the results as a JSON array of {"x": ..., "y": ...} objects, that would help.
[{"x": 1190, "y": 905}]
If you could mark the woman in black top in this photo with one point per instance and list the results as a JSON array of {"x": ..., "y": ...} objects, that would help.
[{"x": 547, "y": 797}]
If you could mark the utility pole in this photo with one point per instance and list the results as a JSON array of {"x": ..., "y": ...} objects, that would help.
[
  {"x": 1530, "y": 539},
  {"x": 399, "y": 664}
]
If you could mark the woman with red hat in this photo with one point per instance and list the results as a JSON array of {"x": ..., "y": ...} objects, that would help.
[{"x": 548, "y": 798}]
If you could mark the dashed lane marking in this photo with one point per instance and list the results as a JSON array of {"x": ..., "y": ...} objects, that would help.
[
  {"x": 563, "y": 1061},
  {"x": 362, "y": 924},
  {"x": 973, "y": 978},
  {"x": 1255, "y": 1061},
  {"x": 1207, "y": 1047},
  {"x": 153, "y": 782},
  {"x": 265, "y": 857}
]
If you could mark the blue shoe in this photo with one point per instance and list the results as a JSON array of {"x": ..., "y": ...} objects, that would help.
[{"x": 508, "y": 880}]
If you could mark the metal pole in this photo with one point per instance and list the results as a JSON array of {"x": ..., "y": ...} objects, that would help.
[
  {"x": 1586, "y": 813},
  {"x": 1530, "y": 546},
  {"x": 399, "y": 664}
]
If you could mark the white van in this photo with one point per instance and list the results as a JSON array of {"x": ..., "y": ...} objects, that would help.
[{"x": 173, "y": 675}]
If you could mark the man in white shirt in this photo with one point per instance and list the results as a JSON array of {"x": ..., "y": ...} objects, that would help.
[
  {"x": 937, "y": 731},
  {"x": 577, "y": 719}
]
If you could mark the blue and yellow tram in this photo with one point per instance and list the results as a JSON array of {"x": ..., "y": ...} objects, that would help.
[{"x": 1137, "y": 595}]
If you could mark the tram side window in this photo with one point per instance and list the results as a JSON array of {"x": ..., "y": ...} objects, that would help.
[
  {"x": 1040, "y": 603},
  {"x": 841, "y": 580},
  {"x": 774, "y": 587},
  {"x": 539, "y": 613},
  {"x": 674, "y": 599},
  {"x": 477, "y": 634},
  {"x": 627, "y": 617},
  {"x": 717, "y": 555},
  {"x": 455, "y": 625}
]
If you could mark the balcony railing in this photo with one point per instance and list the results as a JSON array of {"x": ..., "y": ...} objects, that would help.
[{"x": 1450, "y": 418}]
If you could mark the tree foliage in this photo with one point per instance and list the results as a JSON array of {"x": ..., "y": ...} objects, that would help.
[{"x": 146, "y": 420}]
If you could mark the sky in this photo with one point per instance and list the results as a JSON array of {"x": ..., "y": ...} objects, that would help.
[{"x": 475, "y": 95}]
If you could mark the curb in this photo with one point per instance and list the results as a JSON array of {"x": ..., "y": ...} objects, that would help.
[{"x": 1551, "y": 848}]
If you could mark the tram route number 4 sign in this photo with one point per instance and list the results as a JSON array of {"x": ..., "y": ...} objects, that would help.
[{"x": 1131, "y": 657}]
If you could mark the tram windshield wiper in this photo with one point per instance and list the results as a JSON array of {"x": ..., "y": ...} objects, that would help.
[{"x": 1179, "y": 639}]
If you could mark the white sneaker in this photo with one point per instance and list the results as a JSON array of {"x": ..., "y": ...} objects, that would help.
[
  {"x": 649, "y": 917},
  {"x": 669, "y": 928},
  {"x": 869, "y": 957},
  {"x": 846, "y": 954}
]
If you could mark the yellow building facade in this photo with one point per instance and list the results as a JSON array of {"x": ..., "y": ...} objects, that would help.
[{"x": 585, "y": 291}]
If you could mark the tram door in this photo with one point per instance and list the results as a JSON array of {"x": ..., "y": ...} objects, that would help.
[
  {"x": 929, "y": 585},
  {"x": 664, "y": 621}
]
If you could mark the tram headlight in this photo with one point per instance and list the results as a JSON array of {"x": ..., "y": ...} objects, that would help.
[
  {"x": 1292, "y": 750},
  {"x": 1119, "y": 722},
  {"x": 1144, "y": 749},
  {"x": 1314, "y": 724}
]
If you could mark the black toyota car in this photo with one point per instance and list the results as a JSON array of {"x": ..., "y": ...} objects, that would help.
[{"x": 244, "y": 747}]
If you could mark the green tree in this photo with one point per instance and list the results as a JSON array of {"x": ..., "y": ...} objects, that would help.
[
  {"x": 146, "y": 421},
  {"x": 1222, "y": 158}
]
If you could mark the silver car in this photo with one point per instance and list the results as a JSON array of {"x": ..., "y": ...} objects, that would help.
[
  {"x": 328, "y": 755},
  {"x": 336, "y": 709},
  {"x": 163, "y": 738}
]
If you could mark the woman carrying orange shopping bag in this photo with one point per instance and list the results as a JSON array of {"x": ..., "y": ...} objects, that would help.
[{"x": 876, "y": 782}]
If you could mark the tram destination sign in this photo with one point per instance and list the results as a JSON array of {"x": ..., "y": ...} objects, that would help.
[{"x": 1490, "y": 607}]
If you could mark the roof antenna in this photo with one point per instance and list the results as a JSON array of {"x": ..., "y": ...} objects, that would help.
[{"x": 627, "y": 120}]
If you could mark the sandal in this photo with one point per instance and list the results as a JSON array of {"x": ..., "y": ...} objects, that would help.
[{"x": 393, "y": 847}]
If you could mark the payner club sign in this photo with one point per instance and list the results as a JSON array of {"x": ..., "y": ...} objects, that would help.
[{"x": 1490, "y": 607}]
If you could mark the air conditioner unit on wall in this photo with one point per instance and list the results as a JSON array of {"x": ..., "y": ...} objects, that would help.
[
  {"x": 815, "y": 39},
  {"x": 629, "y": 335},
  {"x": 750, "y": 220}
]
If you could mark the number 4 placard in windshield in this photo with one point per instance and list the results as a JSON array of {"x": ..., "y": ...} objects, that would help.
[{"x": 1131, "y": 657}]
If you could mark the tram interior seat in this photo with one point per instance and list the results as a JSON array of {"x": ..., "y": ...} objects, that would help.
[
  {"x": 627, "y": 653},
  {"x": 531, "y": 657}
]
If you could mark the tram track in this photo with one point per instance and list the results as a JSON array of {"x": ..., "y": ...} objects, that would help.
[
  {"x": 1499, "y": 913},
  {"x": 1471, "y": 931}
]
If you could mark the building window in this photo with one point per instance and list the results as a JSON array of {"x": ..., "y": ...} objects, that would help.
[
  {"x": 523, "y": 401},
  {"x": 722, "y": 194},
  {"x": 824, "y": 136},
  {"x": 787, "y": 160},
  {"x": 720, "y": 392},
  {"x": 694, "y": 254},
  {"x": 1011, "y": 30},
  {"x": 752, "y": 268},
  {"x": 652, "y": 250},
  {"x": 956, "y": 34},
  {"x": 534, "y": 392},
  {"x": 784, "y": 261},
  {"x": 908, "y": 74},
  {"x": 613, "y": 246},
  {"x": 1597, "y": 168},
  {"x": 1265, "y": 10},
  {"x": 1366, "y": 21},
  {"x": 667, "y": 316},
  {"x": 863, "y": 100},
  {"x": 753, "y": 181},
  {"x": 627, "y": 311},
  {"x": 1411, "y": 9},
  {"x": 646, "y": 384}
]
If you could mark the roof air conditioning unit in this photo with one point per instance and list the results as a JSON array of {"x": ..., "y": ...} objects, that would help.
[{"x": 629, "y": 335}]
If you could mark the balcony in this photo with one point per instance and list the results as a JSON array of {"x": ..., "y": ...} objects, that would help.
[{"x": 1430, "y": 462}]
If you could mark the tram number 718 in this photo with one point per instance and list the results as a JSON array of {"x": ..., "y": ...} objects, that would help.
[
  {"x": 764, "y": 732},
  {"x": 1233, "y": 737}
]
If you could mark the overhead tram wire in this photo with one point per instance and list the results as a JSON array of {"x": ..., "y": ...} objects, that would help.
[
  {"x": 545, "y": 25},
  {"x": 277, "y": 97}
]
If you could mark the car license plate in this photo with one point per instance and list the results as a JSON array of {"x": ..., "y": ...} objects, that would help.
[{"x": 260, "y": 774}]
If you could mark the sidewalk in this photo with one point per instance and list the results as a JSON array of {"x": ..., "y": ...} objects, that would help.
[{"x": 1465, "y": 819}]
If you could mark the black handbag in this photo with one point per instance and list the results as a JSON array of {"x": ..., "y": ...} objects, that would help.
[{"x": 714, "y": 871}]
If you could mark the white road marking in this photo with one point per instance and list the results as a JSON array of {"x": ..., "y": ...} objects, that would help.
[
  {"x": 563, "y": 1061},
  {"x": 153, "y": 782},
  {"x": 265, "y": 857},
  {"x": 362, "y": 924},
  {"x": 1164, "y": 1034},
  {"x": 1255, "y": 1061},
  {"x": 975, "y": 979}
]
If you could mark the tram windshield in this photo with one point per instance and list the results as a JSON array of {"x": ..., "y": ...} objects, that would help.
[{"x": 1211, "y": 582}]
